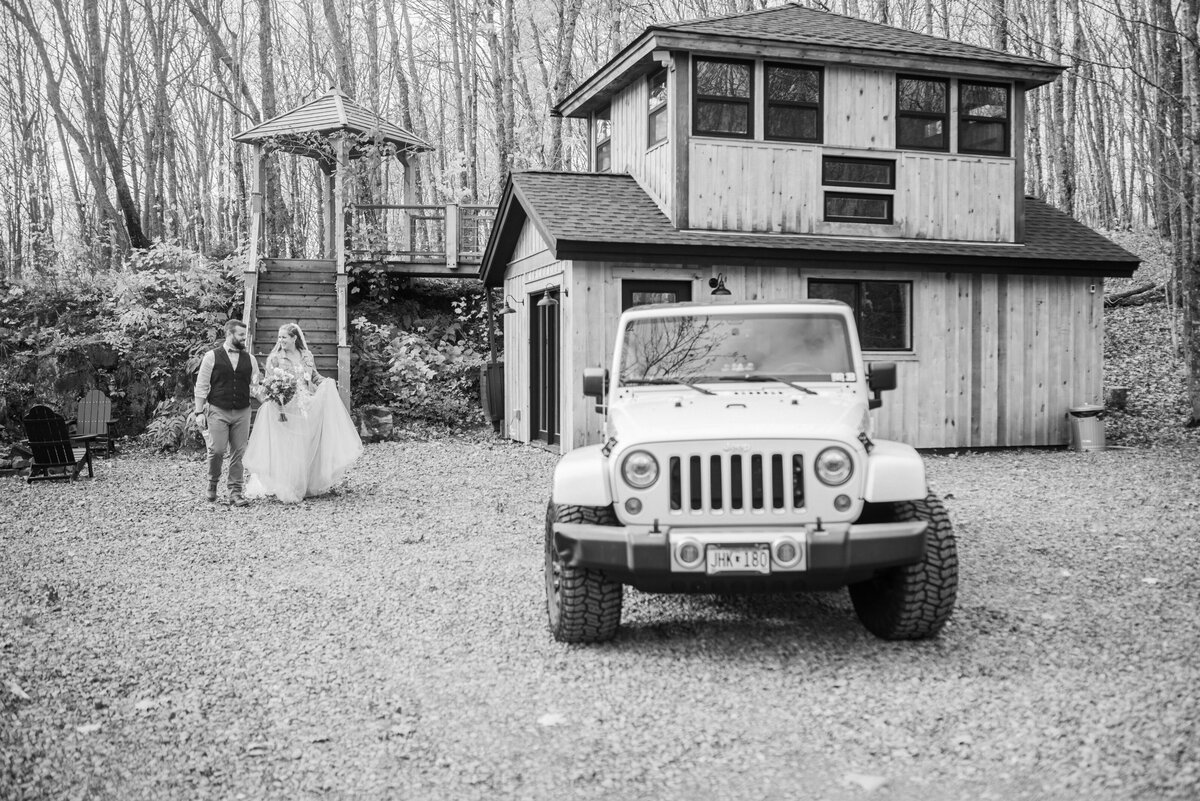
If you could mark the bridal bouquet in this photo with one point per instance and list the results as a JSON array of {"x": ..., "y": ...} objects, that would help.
[{"x": 279, "y": 386}]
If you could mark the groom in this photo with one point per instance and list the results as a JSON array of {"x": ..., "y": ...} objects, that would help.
[{"x": 222, "y": 398}]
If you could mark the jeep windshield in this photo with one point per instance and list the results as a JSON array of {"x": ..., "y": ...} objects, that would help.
[{"x": 698, "y": 348}]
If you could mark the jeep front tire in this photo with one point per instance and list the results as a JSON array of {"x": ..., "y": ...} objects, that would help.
[
  {"x": 583, "y": 604},
  {"x": 913, "y": 602}
]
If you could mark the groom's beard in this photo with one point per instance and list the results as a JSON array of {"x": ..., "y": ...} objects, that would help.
[{"x": 239, "y": 345}]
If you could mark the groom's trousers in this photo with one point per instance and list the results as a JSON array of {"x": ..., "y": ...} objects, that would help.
[{"x": 228, "y": 428}]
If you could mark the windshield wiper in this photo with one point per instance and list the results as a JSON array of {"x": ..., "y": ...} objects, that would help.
[
  {"x": 760, "y": 377},
  {"x": 667, "y": 382}
]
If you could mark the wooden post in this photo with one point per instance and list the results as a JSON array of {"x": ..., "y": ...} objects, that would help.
[
  {"x": 329, "y": 246},
  {"x": 681, "y": 105},
  {"x": 1016, "y": 144},
  {"x": 451, "y": 236},
  {"x": 250, "y": 271},
  {"x": 339, "y": 219},
  {"x": 404, "y": 219}
]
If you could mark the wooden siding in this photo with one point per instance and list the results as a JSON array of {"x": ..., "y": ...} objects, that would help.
[
  {"x": 961, "y": 198},
  {"x": 653, "y": 167},
  {"x": 996, "y": 361},
  {"x": 771, "y": 187},
  {"x": 532, "y": 269},
  {"x": 860, "y": 108},
  {"x": 753, "y": 186}
]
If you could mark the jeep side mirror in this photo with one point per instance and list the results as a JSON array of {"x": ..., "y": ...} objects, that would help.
[
  {"x": 881, "y": 376},
  {"x": 595, "y": 382},
  {"x": 595, "y": 385}
]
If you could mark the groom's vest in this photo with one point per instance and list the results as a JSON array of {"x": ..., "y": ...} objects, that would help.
[{"x": 229, "y": 388}]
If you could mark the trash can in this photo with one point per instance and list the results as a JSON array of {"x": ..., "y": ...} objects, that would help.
[
  {"x": 1087, "y": 427},
  {"x": 491, "y": 392}
]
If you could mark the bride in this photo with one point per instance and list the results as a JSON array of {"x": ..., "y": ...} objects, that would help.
[{"x": 303, "y": 448}]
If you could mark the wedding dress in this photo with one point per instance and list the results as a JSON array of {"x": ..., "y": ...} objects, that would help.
[{"x": 304, "y": 448}]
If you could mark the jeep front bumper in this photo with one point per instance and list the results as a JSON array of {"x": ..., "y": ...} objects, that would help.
[{"x": 833, "y": 556}]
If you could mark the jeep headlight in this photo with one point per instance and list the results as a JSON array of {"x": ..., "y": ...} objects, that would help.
[
  {"x": 640, "y": 469},
  {"x": 834, "y": 466}
]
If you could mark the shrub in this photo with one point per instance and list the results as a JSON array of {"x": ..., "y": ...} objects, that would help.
[
  {"x": 421, "y": 361},
  {"x": 129, "y": 332}
]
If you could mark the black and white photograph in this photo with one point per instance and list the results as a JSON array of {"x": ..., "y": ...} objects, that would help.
[{"x": 590, "y": 399}]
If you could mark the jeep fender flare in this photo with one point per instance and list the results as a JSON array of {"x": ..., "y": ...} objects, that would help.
[
  {"x": 581, "y": 478},
  {"x": 895, "y": 472}
]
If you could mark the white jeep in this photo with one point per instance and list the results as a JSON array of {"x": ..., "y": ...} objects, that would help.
[{"x": 739, "y": 456}]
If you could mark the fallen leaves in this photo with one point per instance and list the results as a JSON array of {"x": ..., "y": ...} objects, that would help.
[
  {"x": 865, "y": 781},
  {"x": 16, "y": 690}
]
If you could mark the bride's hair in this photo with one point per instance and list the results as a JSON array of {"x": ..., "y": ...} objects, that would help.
[{"x": 295, "y": 331}]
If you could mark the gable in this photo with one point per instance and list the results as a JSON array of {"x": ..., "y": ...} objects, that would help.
[{"x": 529, "y": 243}]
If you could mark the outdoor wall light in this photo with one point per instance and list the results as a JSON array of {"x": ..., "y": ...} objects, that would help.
[
  {"x": 549, "y": 298},
  {"x": 509, "y": 302},
  {"x": 718, "y": 285}
]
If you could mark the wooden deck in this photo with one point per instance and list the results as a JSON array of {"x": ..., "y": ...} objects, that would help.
[{"x": 425, "y": 241}]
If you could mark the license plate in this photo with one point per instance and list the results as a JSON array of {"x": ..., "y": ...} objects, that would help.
[{"x": 721, "y": 559}]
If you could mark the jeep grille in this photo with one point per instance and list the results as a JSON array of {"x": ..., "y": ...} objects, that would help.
[{"x": 737, "y": 482}]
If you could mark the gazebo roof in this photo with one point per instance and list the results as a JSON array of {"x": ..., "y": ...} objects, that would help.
[{"x": 332, "y": 112}]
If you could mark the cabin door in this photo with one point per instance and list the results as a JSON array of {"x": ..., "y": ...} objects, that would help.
[{"x": 543, "y": 361}]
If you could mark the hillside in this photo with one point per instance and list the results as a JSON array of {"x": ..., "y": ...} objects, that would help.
[{"x": 1142, "y": 352}]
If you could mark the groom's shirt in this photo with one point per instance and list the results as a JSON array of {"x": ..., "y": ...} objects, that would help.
[{"x": 204, "y": 377}]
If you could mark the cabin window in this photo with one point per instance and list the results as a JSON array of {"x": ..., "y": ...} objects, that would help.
[
  {"x": 604, "y": 139},
  {"x": 640, "y": 293},
  {"x": 983, "y": 118},
  {"x": 858, "y": 208},
  {"x": 724, "y": 98},
  {"x": 845, "y": 171},
  {"x": 658, "y": 107},
  {"x": 922, "y": 116},
  {"x": 882, "y": 309},
  {"x": 793, "y": 103}
]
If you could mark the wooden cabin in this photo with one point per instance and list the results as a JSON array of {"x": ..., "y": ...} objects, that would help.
[{"x": 794, "y": 153}]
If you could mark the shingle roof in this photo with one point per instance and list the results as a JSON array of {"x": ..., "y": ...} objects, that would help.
[
  {"x": 795, "y": 24},
  {"x": 333, "y": 111},
  {"x": 793, "y": 31},
  {"x": 610, "y": 217}
]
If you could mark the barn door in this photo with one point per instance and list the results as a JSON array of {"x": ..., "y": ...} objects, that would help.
[{"x": 543, "y": 361}]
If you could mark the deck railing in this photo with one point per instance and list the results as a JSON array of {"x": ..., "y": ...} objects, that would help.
[{"x": 449, "y": 235}]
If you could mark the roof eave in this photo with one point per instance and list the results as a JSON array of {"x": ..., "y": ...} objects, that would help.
[
  {"x": 631, "y": 62},
  {"x": 1033, "y": 72},
  {"x": 620, "y": 70},
  {"x": 717, "y": 254}
]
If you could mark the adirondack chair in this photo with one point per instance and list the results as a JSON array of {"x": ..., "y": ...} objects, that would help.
[
  {"x": 56, "y": 454},
  {"x": 93, "y": 418}
]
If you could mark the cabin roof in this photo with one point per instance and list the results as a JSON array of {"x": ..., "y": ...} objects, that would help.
[
  {"x": 795, "y": 32},
  {"x": 332, "y": 112},
  {"x": 606, "y": 217}
]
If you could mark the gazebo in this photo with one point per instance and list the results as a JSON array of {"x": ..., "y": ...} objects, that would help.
[{"x": 332, "y": 129}]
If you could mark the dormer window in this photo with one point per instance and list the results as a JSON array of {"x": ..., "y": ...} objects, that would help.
[
  {"x": 724, "y": 98},
  {"x": 922, "y": 117},
  {"x": 983, "y": 118},
  {"x": 604, "y": 139},
  {"x": 658, "y": 107},
  {"x": 793, "y": 103}
]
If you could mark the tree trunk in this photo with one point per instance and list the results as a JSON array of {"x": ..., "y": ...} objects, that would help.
[
  {"x": 341, "y": 53},
  {"x": 1190, "y": 256}
]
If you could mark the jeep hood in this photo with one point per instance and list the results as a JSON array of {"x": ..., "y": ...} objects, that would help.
[{"x": 659, "y": 416}]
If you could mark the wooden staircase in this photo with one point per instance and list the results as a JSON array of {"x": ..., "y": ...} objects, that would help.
[{"x": 301, "y": 291}]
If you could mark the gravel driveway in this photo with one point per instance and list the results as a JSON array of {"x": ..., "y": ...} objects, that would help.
[{"x": 390, "y": 642}]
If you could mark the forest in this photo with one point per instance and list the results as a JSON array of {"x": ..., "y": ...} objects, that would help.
[{"x": 117, "y": 118}]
